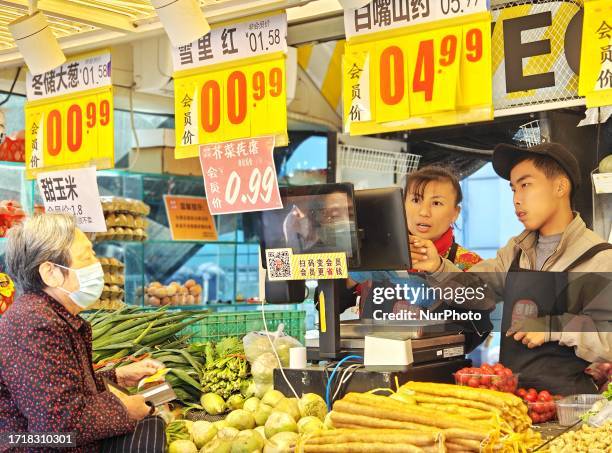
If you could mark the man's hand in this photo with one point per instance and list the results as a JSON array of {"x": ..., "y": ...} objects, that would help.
[
  {"x": 130, "y": 375},
  {"x": 530, "y": 339},
  {"x": 424, "y": 255},
  {"x": 135, "y": 405}
]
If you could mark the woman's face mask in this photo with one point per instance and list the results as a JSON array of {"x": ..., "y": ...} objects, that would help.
[{"x": 91, "y": 284}]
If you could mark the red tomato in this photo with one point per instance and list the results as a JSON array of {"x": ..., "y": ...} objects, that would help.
[
  {"x": 544, "y": 395},
  {"x": 521, "y": 392},
  {"x": 531, "y": 397},
  {"x": 532, "y": 390},
  {"x": 535, "y": 418},
  {"x": 485, "y": 380},
  {"x": 473, "y": 382}
]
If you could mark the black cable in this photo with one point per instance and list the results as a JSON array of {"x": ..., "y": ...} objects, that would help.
[{"x": 10, "y": 93}]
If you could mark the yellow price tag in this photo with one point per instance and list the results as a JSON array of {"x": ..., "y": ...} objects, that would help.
[
  {"x": 422, "y": 79},
  {"x": 69, "y": 131},
  {"x": 596, "y": 54},
  {"x": 222, "y": 103}
]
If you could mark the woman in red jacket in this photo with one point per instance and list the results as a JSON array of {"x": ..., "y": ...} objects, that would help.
[{"x": 433, "y": 198}]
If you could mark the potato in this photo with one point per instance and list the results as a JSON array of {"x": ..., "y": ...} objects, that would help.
[
  {"x": 171, "y": 290},
  {"x": 161, "y": 292},
  {"x": 183, "y": 290},
  {"x": 155, "y": 285},
  {"x": 166, "y": 301},
  {"x": 195, "y": 290},
  {"x": 191, "y": 300},
  {"x": 154, "y": 301},
  {"x": 190, "y": 283}
]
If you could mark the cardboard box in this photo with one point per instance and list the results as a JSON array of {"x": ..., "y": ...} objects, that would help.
[{"x": 157, "y": 155}]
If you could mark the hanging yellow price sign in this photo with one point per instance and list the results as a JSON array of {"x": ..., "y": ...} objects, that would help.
[
  {"x": 224, "y": 104},
  {"x": 69, "y": 116},
  {"x": 230, "y": 84},
  {"x": 419, "y": 77},
  {"x": 596, "y": 54}
]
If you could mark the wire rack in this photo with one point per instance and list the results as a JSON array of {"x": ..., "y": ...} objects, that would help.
[
  {"x": 529, "y": 134},
  {"x": 375, "y": 160}
]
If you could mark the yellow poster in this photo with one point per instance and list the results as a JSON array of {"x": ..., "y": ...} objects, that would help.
[
  {"x": 189, "y": 218},
  {"x": 421, "y": 76},
  {"x": 69, "y": 116},
  {"x": 596, "y": 54}
]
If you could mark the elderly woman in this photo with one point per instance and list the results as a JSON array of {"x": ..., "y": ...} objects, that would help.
[{"x": 47, "y": 382}]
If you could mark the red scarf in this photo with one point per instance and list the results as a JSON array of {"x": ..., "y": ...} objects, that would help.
[{"x": 445, "y": 242}]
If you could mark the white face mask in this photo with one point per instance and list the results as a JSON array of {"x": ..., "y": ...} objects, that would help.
[{"x": 91, "y": 284}]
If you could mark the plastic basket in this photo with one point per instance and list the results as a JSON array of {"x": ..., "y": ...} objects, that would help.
[{"x": 237, "y": 324}]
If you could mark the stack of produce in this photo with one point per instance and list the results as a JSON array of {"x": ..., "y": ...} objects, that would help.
[
  {"x": 11, "y": 213},
  {"x": 374, "y": 440},
  {"x": 542, "y": 407},
  {"x": 587, "y": 439},
  {"x": 226, "y": 371},
  {"x": 176, "y": 294},
  {"x": 112, "y": 297},
  {"x": 125, "y": 219},
  {"x": 133, "y": 332},
  {"x": 493, "y": 377},
  {"x": 468, "y": 418},
  {"x": 272, "y": 424}
]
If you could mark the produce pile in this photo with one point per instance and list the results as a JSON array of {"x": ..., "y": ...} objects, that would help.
[
  {"x": 114, "y": 282},
  {"x": 465, "y": 418},
  {"x": 125, "y": 219},
  {"x": 11, "y": 213},
  {"x": 189, "y": 293},
  {"x": 272, "y": 425},
  {"x": 587, "y": 440},
  {"x": 492, "y": 377},
  {"x": 542, "y": 407},
  {"x": 133, "y": 332},
  {"x": 220, "y": 369}
]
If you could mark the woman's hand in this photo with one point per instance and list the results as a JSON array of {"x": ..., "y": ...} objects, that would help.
[
  {"x": 136, "y": 406},
  {"x": 424, "y": 255},
  {"x": 130, "y": 375}
]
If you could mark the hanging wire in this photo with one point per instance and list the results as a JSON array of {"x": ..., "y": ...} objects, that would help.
[{"x": 10, "y": 93}]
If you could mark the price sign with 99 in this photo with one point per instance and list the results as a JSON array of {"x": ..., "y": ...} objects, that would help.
[
  {"x": 230, "y": 104},
  {"x": 240, "y": 176},
  {"x": 420, "y": 72},
  {"x": 70, "y": 131}
]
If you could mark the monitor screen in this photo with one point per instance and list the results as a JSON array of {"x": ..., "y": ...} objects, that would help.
[{"x": 314, "y": 219}]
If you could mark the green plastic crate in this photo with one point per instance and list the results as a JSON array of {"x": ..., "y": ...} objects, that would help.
[{"x": 237, "y": 324}]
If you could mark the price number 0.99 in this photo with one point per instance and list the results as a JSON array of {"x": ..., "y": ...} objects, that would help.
[
  {"x": 393, "y": 66},
  {"x": 260, "y": 186}
]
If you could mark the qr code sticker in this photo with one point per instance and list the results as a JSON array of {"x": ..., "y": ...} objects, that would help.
[{"x": 279, "y": 264}]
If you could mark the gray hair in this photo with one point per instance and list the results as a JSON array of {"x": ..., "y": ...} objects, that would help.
[{"x": 41, "y": 238}]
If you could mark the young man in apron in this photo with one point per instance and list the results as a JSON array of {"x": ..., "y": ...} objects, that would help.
[{"x": 549, "y": 334}]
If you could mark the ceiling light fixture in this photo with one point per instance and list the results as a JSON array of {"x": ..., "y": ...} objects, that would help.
[
  {"x": 36, "y": 42},
  {"x": 183, "y": 20}
]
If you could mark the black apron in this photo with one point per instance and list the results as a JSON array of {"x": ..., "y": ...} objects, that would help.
[{"x": 534, "y": 294}]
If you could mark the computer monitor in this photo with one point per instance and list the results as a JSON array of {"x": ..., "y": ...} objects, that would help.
[
  {"x": 383, "y": 230},
  {"x": 314, "y": 219}
]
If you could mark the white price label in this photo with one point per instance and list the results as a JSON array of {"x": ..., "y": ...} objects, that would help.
[
  {"x": 73, "y": 76},
  {"x": 74, "y": 192},
  {"x": 234, "y": 42},
  {"x": 379, "y": 16}
]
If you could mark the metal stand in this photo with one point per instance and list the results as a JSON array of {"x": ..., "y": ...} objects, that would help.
[{"x": 329, "y": 318}]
